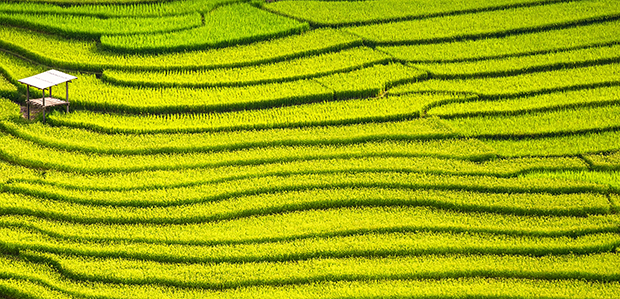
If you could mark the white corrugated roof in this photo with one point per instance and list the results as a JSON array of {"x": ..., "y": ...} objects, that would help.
[{"x": 47, "y": 79}]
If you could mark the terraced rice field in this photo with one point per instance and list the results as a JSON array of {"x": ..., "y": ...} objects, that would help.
[{"x": 313, "y": 149}]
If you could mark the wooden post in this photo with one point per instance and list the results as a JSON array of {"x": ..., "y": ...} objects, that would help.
[
  {"x": 28, "y": 99},
  {"x": 67, "y": 95},
  {"x": 43, "y": 105}
]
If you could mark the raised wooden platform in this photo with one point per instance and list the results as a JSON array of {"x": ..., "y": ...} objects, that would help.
[{"x": 49, "y": 102}]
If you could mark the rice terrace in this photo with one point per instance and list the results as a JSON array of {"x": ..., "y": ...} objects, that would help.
[{"x": 309, "y": 149}]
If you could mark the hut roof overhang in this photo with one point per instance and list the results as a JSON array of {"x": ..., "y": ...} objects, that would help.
[{"x": 47, "y": 79}]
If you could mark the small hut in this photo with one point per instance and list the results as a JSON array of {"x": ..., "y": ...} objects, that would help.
[{"x": 44, "y": 81}]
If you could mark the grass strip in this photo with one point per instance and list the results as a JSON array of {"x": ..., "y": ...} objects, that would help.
[
  {"x": 590, "y": 143},
  {"x": 62, "y": 138},
  {"x": 224, "y": 26},
  {"x": 488, "y": 23},
  {"x": 141, "y": 180},
  {"x": 604, "y": 161},
  {"x": 230, "y": 189},
  {"x": 113, "y": 8},
  {"x": 423, "y": 288},
  {"x": 300, "y": 68},
  {"x": 577, "y": 204},
  {"x": 546, "y": 123},
  {"x": 8, "y": 109},
  {"x": 541, "y": 42},
  {"x": 323, "y": 223},
  {"x": 92, "y": 94},
  {"x": 25, "y": 153},
  {"x": 597, "y": 267},
  {"x": 368, "y": 244},
  {"x": 378, "y": 109},
  {"x": 85, "y": 27},
  {"x": 523, "y": 64},
  {"x": 86, "y": 55},
  {"x": 542, "y": 102},
  {"x": 611, "y": 178},
  {"x": 371, "y": 81},
  {"x": 91, "y": 2},
  {"x": 25, "y": 288},
  {"x": 330, "y": 13},
  {"x": 7, "y": 89},
  {"x": 524, "y": 84}
]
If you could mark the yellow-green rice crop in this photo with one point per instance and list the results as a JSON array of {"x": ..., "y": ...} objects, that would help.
[
  {"x": 224, "y": 26},
  {"x": 93, "y": 27},
  {"x": 488, "y": 23},
  {"x": 545, "y": 41},
  {"x": 541, "y": 102},
  {"x": 206, "y": 207},
  {"x": 86, "y": 55},
  {"x": 32, "y": 155},
  {"x": 532, "y": 83},
  {"x": 301, "y": 68},
  {"x": 574, "y": 144},
  {"x": 379, "y": 109},
  {"x": 358, "y": 12},
  {"x": 523, "y": 64}
]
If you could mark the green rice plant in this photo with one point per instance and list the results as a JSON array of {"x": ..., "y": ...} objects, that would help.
[
  {"x": 7, "y": 89},
  {"x": 88, "y": 141},
  {"x": 614, "y": 200},
  {"x": 380, "y": 109},
  {"x": 86, "y": 56},
  {"x": 11, "y": 172},
  {"x": 524, "y": 84},
  {"x": 228, "y": 189},
  {"x": 25, "y": 288},
  {"x": 541, "y": 102},
  {"x": 225, "y": 26},
  {"x": 513, "y": 45},
  {"x": 47, "y": 278},
  {"x": 142, "y": 180},
  {"x": 604, "y": 161},
  {"x": 235, "y": 207},
  {"x": 523, "y": 64},
  {"x": 595, "y": 267},
  {"x": 86, "y": 2},
  {"x": 488, "y": 23},
  {"x": 166, "y": 245},
  {"x": 611, "y": 178},
  {"x": 301, "y": 68},
  {"x": 8, "y": 109},
  {"x": 545, "y": 123},
  {"x": 353, "y": 12},
  {"x": 93, "y": 28},
  {"x": 370, "y": 82},
  {"x": 92, "y": 2},
  {"x": 15, "y": 69},
  {"x": 107, "y": 9},
  {"x": 28, "y": 154},
  {"x": 92, "y": 94},
  {"x": 575, "y": 144}
]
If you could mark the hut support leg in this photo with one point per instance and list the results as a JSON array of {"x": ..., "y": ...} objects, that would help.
[
  {"x": 43, "y": 105},
  {"x": 28, "y": 100},
  {"x": 67, "y": 95}
]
